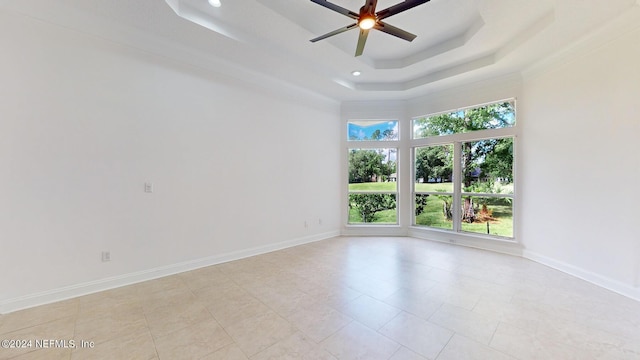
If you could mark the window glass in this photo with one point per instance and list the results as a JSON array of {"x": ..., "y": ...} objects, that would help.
[
  {"x": 493, "y": 116},
  {"x": 373, "y": 169},
  {"x": 372, "y": 130},
  {"x": 373, "y": 186},
  {"x": 434, "y": 210},
  {"x": 487, "y": 166},
  {"x": 434, "y": 168},
  {"x": 372, "y": 208},
  {"x": 488, "y": 215}
]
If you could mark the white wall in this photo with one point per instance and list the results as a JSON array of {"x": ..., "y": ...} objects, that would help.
[
  {"x": 85, "y": 122},
  {"x": 580, "y": 164}
]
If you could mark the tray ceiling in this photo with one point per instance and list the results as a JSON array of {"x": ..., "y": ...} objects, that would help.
[{"x": 458, "y": 41}]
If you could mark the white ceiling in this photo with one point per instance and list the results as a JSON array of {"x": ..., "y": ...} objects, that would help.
[{"x": 458, "y": 41}]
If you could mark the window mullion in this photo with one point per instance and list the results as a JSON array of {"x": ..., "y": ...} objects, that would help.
[{"x": 457, "y": 186}]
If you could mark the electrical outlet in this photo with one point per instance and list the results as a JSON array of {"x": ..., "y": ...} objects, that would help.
[
  {"x": 106, "y": 256},
  {"x": 319, "y": 221},
  {"x": 306, "y": 224}
]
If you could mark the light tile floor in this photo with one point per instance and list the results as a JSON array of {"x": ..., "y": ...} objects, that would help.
[{"x": 344, "y": 298}]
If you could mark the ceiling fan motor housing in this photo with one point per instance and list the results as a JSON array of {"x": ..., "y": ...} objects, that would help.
[{"x": 368, "y": 19}]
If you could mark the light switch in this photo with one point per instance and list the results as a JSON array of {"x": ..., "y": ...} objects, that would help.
[{"x": 148, "y": 187}]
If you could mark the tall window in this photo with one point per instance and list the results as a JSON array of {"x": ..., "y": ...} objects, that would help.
[
  {"x": 373, "y": 190},
  {"x": 463, "y": 168}
]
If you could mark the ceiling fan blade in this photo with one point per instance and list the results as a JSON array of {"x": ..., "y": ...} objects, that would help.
[
  {"x": 370, "y": 6},
  {"x": 398, "y": 8},
  {"x": 335, "y": 32},
  {"x": 362, "y": 39},
  {"x": 392, "y": 30},
  {"x": 337, "y": 8}
]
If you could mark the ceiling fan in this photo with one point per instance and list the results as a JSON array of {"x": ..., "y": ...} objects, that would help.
[{"x": 369, "y": 19}]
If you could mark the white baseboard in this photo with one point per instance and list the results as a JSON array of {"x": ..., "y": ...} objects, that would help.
[
  {"x": 68, "y": 292},
  {"x": 602, "y": 281}
]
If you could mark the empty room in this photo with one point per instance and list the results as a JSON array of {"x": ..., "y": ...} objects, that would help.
[{"x": 312, "y": 179}]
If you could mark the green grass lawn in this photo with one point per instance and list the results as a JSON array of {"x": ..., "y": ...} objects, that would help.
[
  {"x": 434, "y": 187},
  {"x": 392, "y": 186},
  {"x": 503, "y": 226},
  {"x": 433, "y": 216},
  {"x": 374, "y": 186}
]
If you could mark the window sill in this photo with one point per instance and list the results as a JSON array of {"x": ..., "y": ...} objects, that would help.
[{"x": 492, "y": 243}]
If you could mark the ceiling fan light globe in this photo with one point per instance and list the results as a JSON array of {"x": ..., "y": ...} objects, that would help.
[{"x": 366, "y": 23}]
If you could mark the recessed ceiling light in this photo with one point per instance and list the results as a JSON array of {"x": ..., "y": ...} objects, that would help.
[
  {"x": 356, "y": 73},
  {"x": 215, "y": 3}
]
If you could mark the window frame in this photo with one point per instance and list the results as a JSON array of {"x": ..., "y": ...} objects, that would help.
[
  {"x": 457, "y": 139},
  {"x": 414, "y": 192},
  {"x": 369, "y": 144}
]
